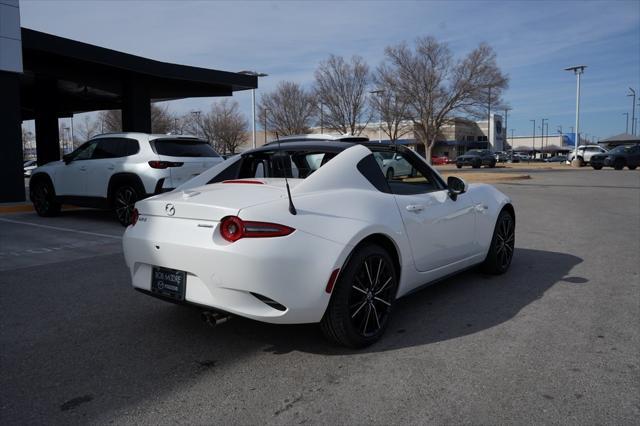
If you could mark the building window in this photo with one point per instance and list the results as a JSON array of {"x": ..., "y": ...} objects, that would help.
[{"x": 482, "y": 139}]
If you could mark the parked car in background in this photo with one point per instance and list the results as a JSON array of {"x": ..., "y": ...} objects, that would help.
[
  {"x": 501, "y": 156},
  {"x": 513, "y": 158},
  {"x": 618, "y": 158},
  {"x": 522, "y": 156},
  {"x": 115, "y": 170},
  {"x": 29, "y": 166},
  {"x": 334, "y": 245},
  {"x": 476, "y": 158},
  {"x": 585, "y": 152},
  {"x": 556, "y": 159},
  {"x": 440, "y": 160},
  {"x": 393, "y": 164}
]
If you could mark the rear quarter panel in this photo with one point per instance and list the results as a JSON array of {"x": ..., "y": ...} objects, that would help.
[{"x": 492, "y": 201}]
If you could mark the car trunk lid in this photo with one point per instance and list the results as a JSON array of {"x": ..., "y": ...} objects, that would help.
[{"x": 215, "y": 201}]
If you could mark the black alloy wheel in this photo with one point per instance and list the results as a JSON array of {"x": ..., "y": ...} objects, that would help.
[
  {"x": 502, "y": 245},
  {"x": 370, "y": 297},
  {"x": 124, "y": 199},
  {"x": 632, "y": 167},
  {"x": 362, "y": 300},
  {"x": 43, "y": 199}
]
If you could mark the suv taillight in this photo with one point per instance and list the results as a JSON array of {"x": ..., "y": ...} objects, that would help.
[
  {"x": 134, "y": 217},
  {"x": 164, "y": 164},
  {"x": 232, "y": 228}
]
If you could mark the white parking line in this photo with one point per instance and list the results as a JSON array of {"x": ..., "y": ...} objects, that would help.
[{"x": 57, "y": 228}]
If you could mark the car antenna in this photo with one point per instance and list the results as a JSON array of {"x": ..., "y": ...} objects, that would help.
[{"x": 292, "y": 208}]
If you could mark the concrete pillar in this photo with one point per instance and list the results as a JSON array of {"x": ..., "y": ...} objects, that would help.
[
  {"x": 11, "y": 171},
  {"x": 46, "y": 112},
  {"x": 136, "y": 106}
]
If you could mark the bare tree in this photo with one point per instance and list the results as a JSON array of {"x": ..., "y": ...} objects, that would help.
[
  {"x": 390, "y": 103},
  {"x": 436, "y": 86},
  {"x": 229, "y": 125},
  {"x": 86, "y": 129},
  {"x": 289, "y": 109},
  {"x": 341, "y": 87},
  {"x": 162, "y": 121}
]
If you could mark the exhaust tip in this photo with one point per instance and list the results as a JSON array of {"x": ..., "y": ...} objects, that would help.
[{"x": 213, "y": 319}]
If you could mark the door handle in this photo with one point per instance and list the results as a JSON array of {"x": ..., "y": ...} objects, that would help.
[
  {"x": 481, "y": 208},
  {"x": 83, "y": 168},
  {"x": 110, "y": 167},
  {"x": 415, "y": 208}
]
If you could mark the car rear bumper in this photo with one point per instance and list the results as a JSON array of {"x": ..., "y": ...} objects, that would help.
[{"x": 237, "y": 277}]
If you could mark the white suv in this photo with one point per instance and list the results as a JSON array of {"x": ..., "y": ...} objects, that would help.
[
  {"x": 115, "y": 170},
  {"x": 585, "y": 152}
]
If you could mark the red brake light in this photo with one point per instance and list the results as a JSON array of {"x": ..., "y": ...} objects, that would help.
[
  {"x": 164, "y": 164},
  {"x": 134, "y": 216},
  {"x": 232, "y": 228}
]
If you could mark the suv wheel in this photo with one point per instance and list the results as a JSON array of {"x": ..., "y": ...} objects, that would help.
[
  {"x": 124, "y": 199},
  {"x": 596, "y": 166},
  {"x": 44, "y": 199},
  {"x": 619, "y": 164}
]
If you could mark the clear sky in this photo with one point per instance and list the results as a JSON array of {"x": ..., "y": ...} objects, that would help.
[{"x": 534, "y": 42}]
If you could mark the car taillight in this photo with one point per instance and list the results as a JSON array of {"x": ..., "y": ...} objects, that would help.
[
  {"x": 164, "y": 164},
  {"x": 134, "y": 216},
  {"x": 232, "y": 228}
]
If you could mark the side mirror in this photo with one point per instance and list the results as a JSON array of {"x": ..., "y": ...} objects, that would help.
[
  {"x": 66, "y": 158},
  {"x": 456, "y": 186}
]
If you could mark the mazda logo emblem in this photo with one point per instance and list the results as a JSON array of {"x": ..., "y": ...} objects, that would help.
[{"x": 170, "y": 210}]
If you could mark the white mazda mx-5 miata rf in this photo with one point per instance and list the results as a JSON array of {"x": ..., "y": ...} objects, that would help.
[{"x": 315, "y": 232}]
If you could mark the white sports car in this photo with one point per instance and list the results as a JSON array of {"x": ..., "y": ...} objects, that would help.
[{"x": 314, "y": 232}]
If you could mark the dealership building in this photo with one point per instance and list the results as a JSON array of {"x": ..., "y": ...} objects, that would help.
[
  {"x": 455, "y": 138},
  {"x": 44, "y": 77}
]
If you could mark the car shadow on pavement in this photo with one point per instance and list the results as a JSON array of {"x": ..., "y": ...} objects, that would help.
[
  {"x": 85, "y": 344},
  {"x": 460, "y": 305}
]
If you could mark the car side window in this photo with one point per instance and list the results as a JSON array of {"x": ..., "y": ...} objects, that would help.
[
  {"x": 408, "y": 175},
  {"x": 115, "y": 148},
  {"x": 84, "y": 152}
]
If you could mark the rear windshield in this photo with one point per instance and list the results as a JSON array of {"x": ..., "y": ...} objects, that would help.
[
  {"x": 183, "y": 148},
  {"x": 292, "y": 164}
]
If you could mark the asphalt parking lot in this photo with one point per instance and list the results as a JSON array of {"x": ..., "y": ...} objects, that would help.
[{"x": 555, "y": 340}]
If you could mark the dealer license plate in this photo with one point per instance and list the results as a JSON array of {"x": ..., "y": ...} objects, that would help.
[{"x": 168, "y": 282}]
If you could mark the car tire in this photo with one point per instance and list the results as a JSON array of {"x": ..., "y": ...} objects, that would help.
[
  {"x": 632, "y": 167},
  {"x": 389, "y": 173},
  {"x": 618, "y": 165},
  {"x": 44, "y": 199},
  {"x": 459, "y": 166},
  {"x": 502, "y": 246},
  {"x": 124, "y": 199},
  {"x": 362, "y": 299},
  {"x": 596, "y": 166},
  {"x": 476, "y": 165},
  {"x": 492, "y": 165}
]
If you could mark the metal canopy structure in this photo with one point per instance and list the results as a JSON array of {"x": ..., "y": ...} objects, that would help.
[
  {"x": 91, "y": 78},
  {"x": 62, "y": 77}
]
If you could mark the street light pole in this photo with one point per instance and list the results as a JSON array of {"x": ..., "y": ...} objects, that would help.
[
  {"x": 626, "y": 129},
  {"x": 633, "y": 112},
  {"x": 542, "y": 137},
  {"x": 578, "y": 70},
  {"x": 253, "y": 103},
  {"x": 534, "y": 138},
  {"x": 506, "y": 126}
]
